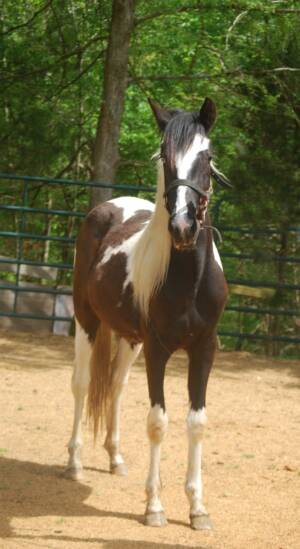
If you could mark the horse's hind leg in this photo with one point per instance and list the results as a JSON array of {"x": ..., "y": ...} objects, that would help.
[
  {"x": 80, "y": 383},
  {"x": 123, "y": 360}
]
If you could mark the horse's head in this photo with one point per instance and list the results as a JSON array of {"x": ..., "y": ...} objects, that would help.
[{"x": 185, "y": 153}]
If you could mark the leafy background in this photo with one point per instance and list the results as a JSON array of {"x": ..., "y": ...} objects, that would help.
[{"x": 243, "y": 54}]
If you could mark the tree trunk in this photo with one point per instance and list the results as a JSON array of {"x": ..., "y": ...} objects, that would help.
[{"x": 115, "y": 82}]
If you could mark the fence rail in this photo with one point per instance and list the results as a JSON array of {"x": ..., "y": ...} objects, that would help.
[{"x": 21, "y": 236}]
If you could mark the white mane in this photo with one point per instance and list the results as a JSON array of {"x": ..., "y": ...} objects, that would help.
[{"x": 150, "y": 257}]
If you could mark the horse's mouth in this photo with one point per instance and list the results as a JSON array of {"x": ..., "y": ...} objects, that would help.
[{"x": 182, "y": 247}]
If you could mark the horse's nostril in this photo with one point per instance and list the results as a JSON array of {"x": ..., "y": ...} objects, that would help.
[
  {"x": 176, "y": 232},
  {"x": 182, "y": 229}
]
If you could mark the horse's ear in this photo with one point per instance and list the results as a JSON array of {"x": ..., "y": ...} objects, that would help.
[
  {"x": 207, "y": 114},
  {"x": 162, "y": 115}
]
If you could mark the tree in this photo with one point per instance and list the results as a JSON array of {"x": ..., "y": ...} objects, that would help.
[
  {"x": 106, "y": 153},
  {"x": 244, "y": 54}
]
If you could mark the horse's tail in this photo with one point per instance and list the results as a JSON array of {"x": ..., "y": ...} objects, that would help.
[{"x": 101, "y": 377}]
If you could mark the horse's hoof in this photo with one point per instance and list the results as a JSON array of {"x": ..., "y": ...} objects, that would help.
[
  {"x": 73, "y": 473},
  {"x": 120, "y": 469},
  {"x": 155, "y": 519},
  {"x": 201, "y": 522}
]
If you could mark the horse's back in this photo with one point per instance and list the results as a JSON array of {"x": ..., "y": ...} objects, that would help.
[{"x": 104, "y": 226}]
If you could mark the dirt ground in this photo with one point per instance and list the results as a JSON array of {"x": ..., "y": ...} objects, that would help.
[{"x": 251, "y": 469}]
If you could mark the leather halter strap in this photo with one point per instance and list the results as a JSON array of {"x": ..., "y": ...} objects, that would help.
[{"x": 186, "y": 183}]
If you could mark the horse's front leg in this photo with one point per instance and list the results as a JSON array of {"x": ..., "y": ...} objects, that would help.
[
  {"x": 157, "y": 423},
  {"x": 200, "y": 362}
]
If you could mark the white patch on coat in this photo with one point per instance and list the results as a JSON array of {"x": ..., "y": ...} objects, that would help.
[
  {"x": 125, "y": 247},
  {"x": 185, "y": 161},
  {"x": 217, "y": 256},
  {"x": 131, "y": 205}
]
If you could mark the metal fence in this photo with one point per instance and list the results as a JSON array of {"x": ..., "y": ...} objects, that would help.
[{"x": 21, "y": 258}]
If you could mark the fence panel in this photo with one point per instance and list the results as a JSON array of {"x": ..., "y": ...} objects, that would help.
[{"x": 37, "y": 238}]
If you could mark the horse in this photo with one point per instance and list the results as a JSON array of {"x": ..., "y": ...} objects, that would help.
[{"x": 151, "y": 275}]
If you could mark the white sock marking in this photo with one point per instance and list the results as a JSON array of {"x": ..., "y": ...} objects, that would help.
[
  {"x": 157, "y": 424},
  {"x": 193, "y": 486},
  {"x": 80, "y": 382}
]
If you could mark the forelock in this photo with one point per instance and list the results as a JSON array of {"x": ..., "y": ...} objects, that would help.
[{"x": 179, "y": 135}]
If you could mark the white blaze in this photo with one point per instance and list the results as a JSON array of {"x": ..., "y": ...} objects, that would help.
[{"x": 184, "y": 163}]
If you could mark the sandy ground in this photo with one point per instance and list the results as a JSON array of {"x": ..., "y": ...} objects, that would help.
[{"x": 251, "y": 469}]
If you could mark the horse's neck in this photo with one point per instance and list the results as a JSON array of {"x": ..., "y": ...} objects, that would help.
[{"x": 188, "y": 267}]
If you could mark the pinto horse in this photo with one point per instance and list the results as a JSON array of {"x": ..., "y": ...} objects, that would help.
[{"x": 151, "y": 275}]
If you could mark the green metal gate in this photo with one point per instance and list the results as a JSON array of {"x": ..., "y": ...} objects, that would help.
[{"x": 37, "y": 231}]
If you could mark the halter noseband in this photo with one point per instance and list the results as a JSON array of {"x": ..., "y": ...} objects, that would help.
[{"x": 186, "y": 183}]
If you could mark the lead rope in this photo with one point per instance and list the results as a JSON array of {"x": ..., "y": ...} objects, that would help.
[{"x": 213, "y": 229}]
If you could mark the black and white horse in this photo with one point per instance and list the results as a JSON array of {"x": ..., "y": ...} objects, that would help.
[{"x": 151, "y": 275}]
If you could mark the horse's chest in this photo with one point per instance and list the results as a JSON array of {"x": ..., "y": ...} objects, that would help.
[
  {"x": 177, "y": 322},
  {"x": 183, "y": 317},
  {"x": 186, "y": 327}
]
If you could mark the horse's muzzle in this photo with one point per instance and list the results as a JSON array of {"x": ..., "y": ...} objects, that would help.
[{"x": 184, "y": 232}]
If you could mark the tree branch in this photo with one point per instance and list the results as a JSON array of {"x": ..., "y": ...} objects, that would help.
[
  {"x": 209, "y": 75},
  {"x": 29, "y": 21},
  {"x": 76, "y": 51},
  {"x": 71, "y": 161},
  {"x": 140, "y": 20},
  {"x": 235, "y": 22},
  {"x": 77, "y": 77},
  {"x": 205, "y": 7}
]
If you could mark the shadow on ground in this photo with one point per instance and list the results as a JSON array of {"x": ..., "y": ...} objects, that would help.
[{"x": 29, "y": 490}]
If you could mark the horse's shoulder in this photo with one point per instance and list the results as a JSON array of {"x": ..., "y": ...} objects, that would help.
[
  {"x": 131, "y": 205},
  {"x": 113, "y": 215},
  {"x": 101, "y": 219},
  {"x": 121, "y": 233}
]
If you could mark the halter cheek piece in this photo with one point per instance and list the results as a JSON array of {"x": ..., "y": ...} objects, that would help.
[{"x": 203, "y": 195}]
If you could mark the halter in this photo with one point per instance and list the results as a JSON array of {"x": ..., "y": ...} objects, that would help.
[{"x": 186, "y": 183}]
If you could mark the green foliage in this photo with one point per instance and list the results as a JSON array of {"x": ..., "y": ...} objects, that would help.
[{"x": 245, "y": 55}]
